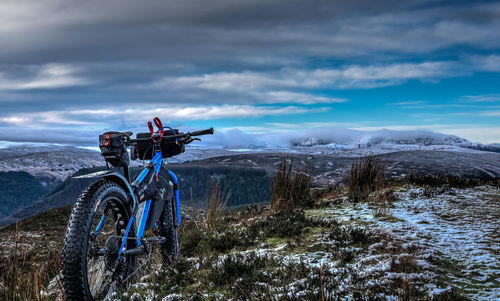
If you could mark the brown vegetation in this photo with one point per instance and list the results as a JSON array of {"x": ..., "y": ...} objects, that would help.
[
  {"x": 365, "y": 177},
  {"x": 382, "y": 200},
  {"x": 22, "y": 279},
  {"x": 290, "y": 189},
  {"x": 217, "y": 201}
]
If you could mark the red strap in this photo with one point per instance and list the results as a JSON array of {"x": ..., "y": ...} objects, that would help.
[
  {"x": 158, "y": 123},
  {"x": 151, "y": 129},
  {"x": 159, "y": 126}
]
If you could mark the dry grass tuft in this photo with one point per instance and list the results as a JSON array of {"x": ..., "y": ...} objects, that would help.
[
  {"x": 365, "y": 177},
  {"x": 290, "y": 189},
  {"x": 21, "y": 279},
  {"x": 382, "y": 200},
  {"x": 217, "y": 201}
]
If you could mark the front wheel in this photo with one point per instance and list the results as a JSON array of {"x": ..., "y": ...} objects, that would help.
[
  {"x": 91, "y": 268},
  {"x": 170, "y": 248}
]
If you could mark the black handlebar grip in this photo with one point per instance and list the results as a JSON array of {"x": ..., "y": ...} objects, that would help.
[{"x": 209, "y": 131}]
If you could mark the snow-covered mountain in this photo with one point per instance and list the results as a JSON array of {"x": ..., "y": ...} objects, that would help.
[
  {"x": 62, "y": 161},
  {"x": 49, "y": 162},
  {"x": 354, "y": 142},
  {"x": 58, "y": 162},
  {"x": 355, "y": 138}
]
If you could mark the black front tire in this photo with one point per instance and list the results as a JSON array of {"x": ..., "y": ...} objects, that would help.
[{"x": 74, "y": 257}]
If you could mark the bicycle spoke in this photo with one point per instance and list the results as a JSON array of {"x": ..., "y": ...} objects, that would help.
[{"x": 102, "y": 253}]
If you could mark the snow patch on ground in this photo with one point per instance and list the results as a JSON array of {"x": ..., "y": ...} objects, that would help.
[{"x": 460, "y": 224}]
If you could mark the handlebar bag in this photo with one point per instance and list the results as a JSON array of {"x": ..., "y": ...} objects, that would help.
[
  {"x": 113, "y": 149},
  {"x": 169, "y": 148}
]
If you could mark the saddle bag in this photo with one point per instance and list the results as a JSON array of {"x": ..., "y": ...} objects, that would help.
[
  {"x": 113, "y": 149},
  {"x": 169, "y": 148}
]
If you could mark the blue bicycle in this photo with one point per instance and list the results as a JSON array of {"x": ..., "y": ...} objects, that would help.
[{"x": 106, "y": 243}]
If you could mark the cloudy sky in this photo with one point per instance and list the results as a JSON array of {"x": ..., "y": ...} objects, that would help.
[{"x": 72, "y": 69}]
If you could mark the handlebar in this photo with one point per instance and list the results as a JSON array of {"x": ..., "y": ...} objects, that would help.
[{"x": 209, "y": 131}]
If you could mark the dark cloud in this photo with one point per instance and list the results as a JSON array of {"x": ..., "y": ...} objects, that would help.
[
  {"x": 242, "y": 32},
  {"x": 52, "y": 135}
]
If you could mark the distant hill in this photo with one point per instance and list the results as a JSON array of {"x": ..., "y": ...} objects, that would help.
[
  {"x": 247, "y": 185},
  {"x": 48, "y": 163},
  {"x": 64, "y": 194},
  {"x": 19, "y": 189},
  {"x": 332, "y": 169},
  {"x": 35, "y": 179},
  {"x": 29, "y": 173}
]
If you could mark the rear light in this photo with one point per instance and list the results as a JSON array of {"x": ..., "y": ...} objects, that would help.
[{"x": 107, "y": 140}]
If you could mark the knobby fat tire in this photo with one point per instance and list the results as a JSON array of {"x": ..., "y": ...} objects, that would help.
[{"x": 74, "y": 257}]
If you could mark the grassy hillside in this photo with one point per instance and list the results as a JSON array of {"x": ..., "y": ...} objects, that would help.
[
  {"x": 373, "y": 239},
  {"x": 335, "y": 249}
]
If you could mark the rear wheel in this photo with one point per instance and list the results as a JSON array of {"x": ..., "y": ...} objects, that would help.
[{"x": 91, "y": 269}]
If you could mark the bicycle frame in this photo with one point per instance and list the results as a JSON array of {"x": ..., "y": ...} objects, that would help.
[{"x": 155, "y": 166}]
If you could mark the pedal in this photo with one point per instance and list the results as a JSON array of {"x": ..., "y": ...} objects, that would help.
[
  {"x": 135, "y": 251},
  {"x": 156, "y": 239}
]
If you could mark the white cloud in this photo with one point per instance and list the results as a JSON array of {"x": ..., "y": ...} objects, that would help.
[
  {"x": 283, "y": 127},
  {"x": 391, "y": 72},
  {"x": 481, "y": 98},
  {"x": 474, "y": 133},
  {"x": 48, "y": 76},
  {"x": 225, "y": 81},
  {"x": 222, "y": 111},
  {"x": 347, "y": 77},
  {"x": 303, "y": 98},
  {"x": 410, "y": 102},
  {"x": 283, "y": 135},
  {"x": 104, "y": 117},
  {"x": 17, "y": 120},
  {"x": 490, "y": 113},
  {"x": 39, "y": 118},
  {"x": 453, "y": 32},
  {"x": 486, "y": 63}
]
